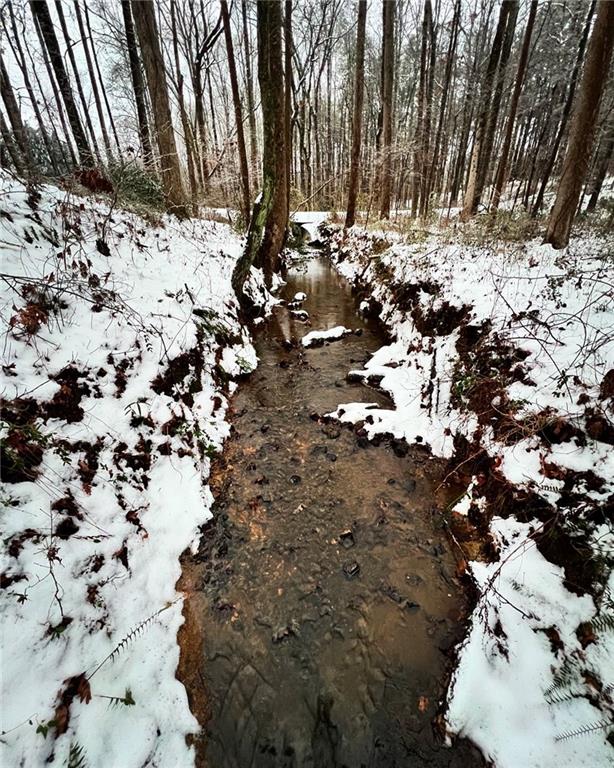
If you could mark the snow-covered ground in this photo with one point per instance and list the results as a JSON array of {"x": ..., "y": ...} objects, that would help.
[
  {"x": 120, "y": 345},
  {"x": 502, "y": 360}
]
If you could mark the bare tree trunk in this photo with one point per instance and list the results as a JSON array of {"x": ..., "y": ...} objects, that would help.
[
  {"x": 359, "y": 90},
  {"x": 566, "y": 113},
  {"x": 387, "y": 87},
  {"x": 425, "y": 170},
  {"x": 603, "y": 164},
  {"x": 75, "y": 69},
  {"x": 40, "y": 11},
  {"x": 581, "y": 133},
  {"x": 444, "y": 98},
  {"x": 267, "y": 228},
  {"x": 17, "y": 49},
  {"x": 288, "y": 98},
  {"x": 138, "y": 84},
  {"x": 236, "y": 99},
  {"x": 143, "y": 13},
  {"x": 92, "y": 74},
  {"x": 14, "y": 115},
  {"x": 183, "y": 114},
  {"x": 509, "y": 129},
  {"x": 11, "y": 147},
  {"x": 472, "y": 194},
  {"x": 486, "y": 148},
  {"x": 251, "y": 108},
  {"x": 102, "y": 88}
]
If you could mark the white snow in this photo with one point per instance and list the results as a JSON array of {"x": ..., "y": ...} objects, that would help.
[
  {"x": 319, "y": 337},
  {"x": 161, "y": 292}
]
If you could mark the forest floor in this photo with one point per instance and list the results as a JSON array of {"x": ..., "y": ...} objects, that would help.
[{"x": 122, "y": 350}]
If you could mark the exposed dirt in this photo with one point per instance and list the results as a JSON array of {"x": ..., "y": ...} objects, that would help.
[{"x": 323, "y": 602}]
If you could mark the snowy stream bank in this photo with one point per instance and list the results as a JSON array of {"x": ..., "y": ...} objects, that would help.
[
  {"x": 121, "y": 342},
  {"x": 501, "y": 361}
]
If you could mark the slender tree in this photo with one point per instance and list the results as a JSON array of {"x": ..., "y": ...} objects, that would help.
[
  {"x": 236, "y": 99},
  {"x": 603, "y": 163},
  {"x": 473, "y": 191},
  {"x": 92, "y": 74},
  {"x": 509, "y": 128},
  {"x": 40, "y": 11},
  {"x": 77, "y": 78},
  {"x": 138, "y": 84},
  {"x": 582, "y": 130},
  {"x": 288, "y": 97},
  {"x": 566, "y": 113},
  {"x": 359, "y": 90},
  {"x": 12, "y": 110},
  {"x": 388, "y": 11},
  {"x": 249, "y": 83},
  {"x": 143, "y": 13}
]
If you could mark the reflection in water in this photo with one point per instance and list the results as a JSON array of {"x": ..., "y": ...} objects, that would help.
[{"x": 323, "y": 594}]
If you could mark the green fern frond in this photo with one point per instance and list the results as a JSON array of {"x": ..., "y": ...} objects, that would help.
[
  {"x": 76, "y": 756},
  {"x": 589, "y": 728}
]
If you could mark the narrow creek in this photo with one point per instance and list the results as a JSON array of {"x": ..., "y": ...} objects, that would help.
[{"x": 322, "y": 601}]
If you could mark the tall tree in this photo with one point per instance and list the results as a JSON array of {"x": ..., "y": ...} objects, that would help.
[
  {"x": 566, "y": 113},
  {"x": 40, "y": 11},
  {"x": 236, "y": 99},
  {"x": 603, "y": 163},
  {"x": 473, "y": 191},
  {"x": 77, "y": 78},
  {"x": 388, "y": 11},
  {"x": 582, "y": 130},
  {"x": 359, "y": 90},
  {"x": 288, "y": 97},
  {"x": 509, "y": 128},
  {"x": 92, "y": 74},
  {"x": 269, "y": 219},
  {"x": 12, "y": 110},
  {"x": 138, "y": 84},
  {"x": 249, "y": 83},
  {"x": 144, "y": 16}
]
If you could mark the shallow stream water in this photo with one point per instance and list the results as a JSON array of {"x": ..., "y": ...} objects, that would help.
[{"x": 322, "y": 603}]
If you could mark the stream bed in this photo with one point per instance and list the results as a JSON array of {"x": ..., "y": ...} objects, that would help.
[{"x": 322, "y": 604}]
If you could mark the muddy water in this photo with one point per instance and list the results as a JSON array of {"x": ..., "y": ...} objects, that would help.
[{"x": 322, "y": 600}]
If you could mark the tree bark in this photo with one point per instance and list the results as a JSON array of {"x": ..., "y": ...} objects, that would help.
[
  {"x": 138, "y": 85},
  {"x": 251, "y": 108},
  {"x": 603, "y": 164},
  {"x": 236, "y": 100},
  {"x": 387, "y": 88},
  {"x": 40, "y": 11},
  {"x": 92, "y": 74},
  {"x": 143, "y": 13},
  {"x": 288, "y": 98},
  {"x": 269, "y": 217},
  {"x": 509, "y": 129},
  {"x": 13, "y": 113},
  {"x": 472, "y": 194},
  {"x": 566, "y": 113},
  {"x": 359, "y": 90},
  {"x": 73, "y": 63},
  {"x": 582, "y": 130}
]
